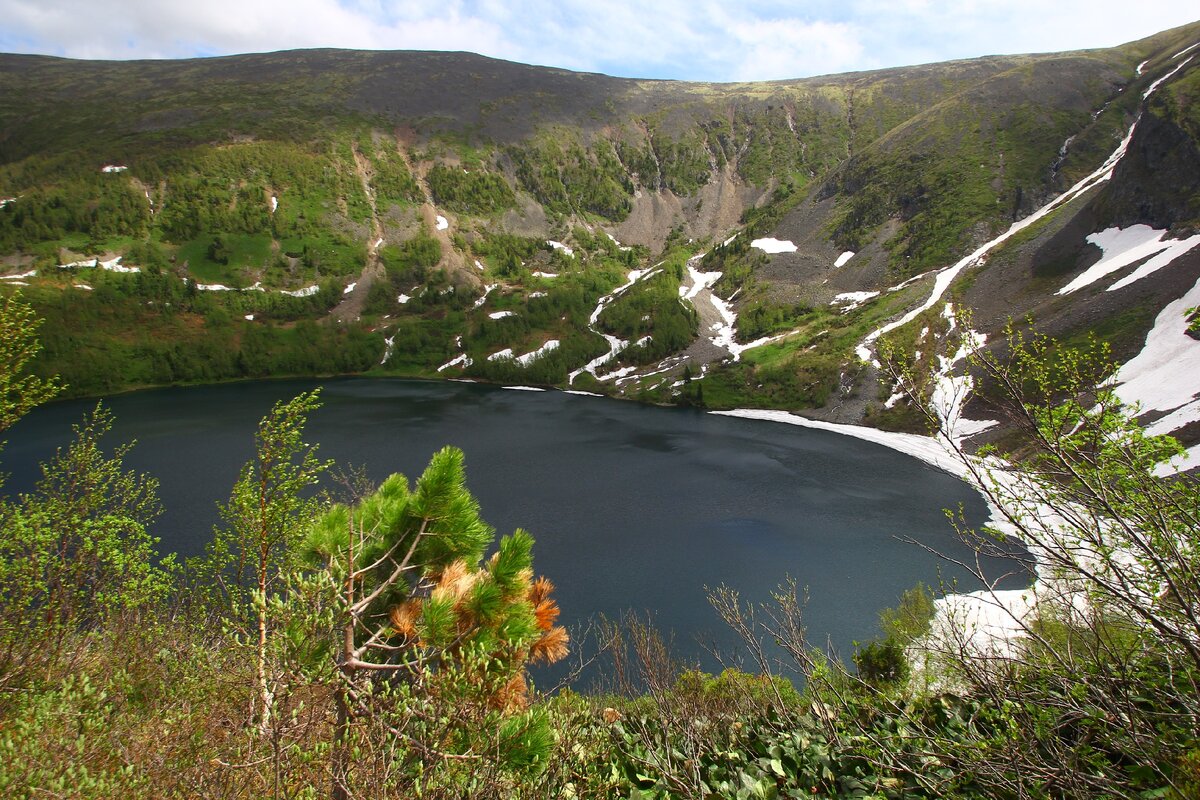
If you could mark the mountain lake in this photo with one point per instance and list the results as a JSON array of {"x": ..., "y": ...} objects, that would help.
[{"x": 632, "y": 507}]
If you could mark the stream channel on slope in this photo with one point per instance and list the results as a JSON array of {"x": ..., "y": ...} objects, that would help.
[{"x": 631, "y": 506}]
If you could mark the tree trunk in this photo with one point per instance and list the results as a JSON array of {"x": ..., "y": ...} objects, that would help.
[{"x": 264, "y": 690}]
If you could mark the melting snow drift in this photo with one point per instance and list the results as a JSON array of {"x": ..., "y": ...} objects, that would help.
[
  {"x": 1125, "y": 246},
  {"x": 770, "y": 245}
]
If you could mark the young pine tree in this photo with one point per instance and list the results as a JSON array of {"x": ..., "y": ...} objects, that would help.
[{"x": 433, "y": 639}]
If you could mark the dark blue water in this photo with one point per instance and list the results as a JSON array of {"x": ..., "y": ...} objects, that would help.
[{"x": 632, "y": 507}]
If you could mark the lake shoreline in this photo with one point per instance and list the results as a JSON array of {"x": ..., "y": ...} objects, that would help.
[{"x": 658, "y": 502}]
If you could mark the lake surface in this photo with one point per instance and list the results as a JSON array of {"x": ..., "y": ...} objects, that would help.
[{"x": 632, "y": 507}]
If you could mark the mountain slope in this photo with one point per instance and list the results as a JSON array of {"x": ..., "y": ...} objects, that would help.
[{"x": 462, "y": 215}]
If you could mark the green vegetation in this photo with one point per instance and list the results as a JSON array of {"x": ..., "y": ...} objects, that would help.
[
  {"x": 953, "y": 167},
  {"x": 279, "y": 170},
  {"x": 805, "y": 368},
  {"x": 390, "y": 176},
  {"x": 763, "y": 318},
  {"x": 566, "y": 177},
  {"x": 469, "y": 191},
  {"x": 651, "y": 315},
  {"x": 660, "y": 162},
  {"x": 409, "y": 271},
  {"x": 151, "y": 328},
  {"x": 506, "y": 253},
  {"x": 376, "y": 643},
  {"x": 99, "y": 207}
]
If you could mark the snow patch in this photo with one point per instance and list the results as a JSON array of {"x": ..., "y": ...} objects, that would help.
[
  {"x": 988, "y": 622},
  {"x": 843, "y": 258},
  {"x": 1162, "y": 377},
  {"x": 115, "y": 265},
  {"x": 615, "y": 345},
  {"x": 1184, "y": 415},
  {"x": 560, "y": 246},
  {"x": 22, "y": 276},
  {"x": 249, "y": 317},
  {"x": 1175, "y": 248},
  {"x": 700, "y": 282},
  {"x": 442, "y": 223},
  {"x": 460, "y": 360},
  {"x": 307, "y": 291},
  {"x": 907, "y": 283},
  {"x": 617, "y": 375},
  {"x": 527, "y": 359},
  {"x": 1121, "y": 247},
  {"x": 1168, "y": 76},
  {"x": 502, "y": 314},
  {"x": 479, "y": 266},
  {"x": 83, "y": 286},
  {"x": 1189, "y": 460},
  {"x": 545, "y": 274},
  {"x": 112, "y": 265},
  {"x": 113, "y": 168},
  {"x": 950, "y": 392},
  {"x": 486, "y": 291},
  {"x": 402, "y": 299},
  {"x": 620, "y": 246},
  {"x": 350, "y": 288},
  {"x": 523, "y": 388},
  {"x": 770, "y": 245},
  {"x": 274, "y": 202},
  {"x": 852, "y": 300},
  {"x": 726, "y": 333}
]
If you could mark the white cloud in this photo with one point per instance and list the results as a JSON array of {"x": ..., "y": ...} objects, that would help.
[
  {"x": 154, "y": 29},
  {"x": 786, "y": 48},
  {"x": 700, "y": 39}
]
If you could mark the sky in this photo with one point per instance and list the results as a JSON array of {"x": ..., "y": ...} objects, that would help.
[{"x": 705, "y": 40}]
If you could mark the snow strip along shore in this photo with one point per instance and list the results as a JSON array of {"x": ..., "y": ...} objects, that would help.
[
  {"x": 928, "y": 449},
  {"x": 988, "y": 622}
]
